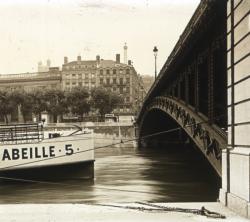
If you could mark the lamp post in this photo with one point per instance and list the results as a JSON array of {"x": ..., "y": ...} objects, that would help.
[{"x": 155, "y": 50}]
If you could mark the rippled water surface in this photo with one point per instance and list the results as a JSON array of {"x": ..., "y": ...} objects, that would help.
[{"x": 128, "y": 174}]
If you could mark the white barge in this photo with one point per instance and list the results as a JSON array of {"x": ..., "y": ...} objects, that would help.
[{"x": 27, "y": 152}]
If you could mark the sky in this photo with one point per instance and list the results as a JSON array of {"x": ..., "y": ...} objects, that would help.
[{"x": 33, "y": 31}]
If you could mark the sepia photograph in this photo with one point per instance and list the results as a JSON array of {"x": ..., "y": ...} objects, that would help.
[{"x": 115, "y": 110}]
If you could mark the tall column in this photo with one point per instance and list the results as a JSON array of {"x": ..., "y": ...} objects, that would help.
[{"x": 235, "y": 191}]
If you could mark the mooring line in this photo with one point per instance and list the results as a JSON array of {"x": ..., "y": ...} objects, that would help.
[
  {"x": 72, "y": 185},
  {"x": 160, "y": 209}
]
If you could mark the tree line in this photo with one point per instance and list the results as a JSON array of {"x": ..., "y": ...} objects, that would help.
[{"x": 79, "y": 101}]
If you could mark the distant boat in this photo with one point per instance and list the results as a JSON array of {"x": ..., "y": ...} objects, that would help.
[{"x": 29, "y": 152}]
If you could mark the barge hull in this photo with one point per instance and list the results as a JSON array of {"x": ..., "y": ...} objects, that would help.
[{"x": 69, "y": 171}]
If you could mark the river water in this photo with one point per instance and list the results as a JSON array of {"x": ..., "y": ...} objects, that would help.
[{"x": 128, "y": 174}]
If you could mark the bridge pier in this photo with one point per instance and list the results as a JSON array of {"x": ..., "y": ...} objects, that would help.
[{"x": 235, "y": 191}]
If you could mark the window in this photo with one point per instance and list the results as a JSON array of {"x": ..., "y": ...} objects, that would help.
[
  {"x": 73, "y": 75},
  {"x": 127, "y": 89},
  {"x": 120, "y": 71},
  {"x": 114, "y": 71},
  {"x": 67, "y": 83},
  {"x": 121, "y": 89},
  {"x": 127, "y": 71},
  {"x": 121, "y": 81},
  {"x": 108, "y": 81},
  {"x": 101, "y": 72},
  {"x": 114, "y": 89},
  {"x": 101, "y": 81},
  {"x": 107, "y": 71},
  {"x": 127, "y": 80},
  {"x": 114, "y": 80},
  {"x": 127, "y": 99},
  {"x": 73, "y": 83}
]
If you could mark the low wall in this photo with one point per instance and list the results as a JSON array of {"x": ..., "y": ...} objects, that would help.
[{"x": 120, "y": 129}]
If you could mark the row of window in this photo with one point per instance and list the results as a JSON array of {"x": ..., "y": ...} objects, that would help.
[
  {"x": 114, "y": 71},
  {"x": 80, "y": 76},
  {"x": 79, "y": 67},
  {"x": 79, "y": 83},
  {"x": 120, "y": 90},
  {"x": 102, "y": 71},
  {"x": 108, "y": 81}
]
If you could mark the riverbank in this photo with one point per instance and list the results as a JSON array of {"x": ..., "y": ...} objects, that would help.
[
  {"x": 125, "y": 130},
  {"x": 85, "y": 212}
]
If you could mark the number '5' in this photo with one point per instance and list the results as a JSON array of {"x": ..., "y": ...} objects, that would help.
[{"x": 69, "y": 150}]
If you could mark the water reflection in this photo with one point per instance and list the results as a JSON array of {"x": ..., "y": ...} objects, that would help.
[{"x": 128, "y": 174}]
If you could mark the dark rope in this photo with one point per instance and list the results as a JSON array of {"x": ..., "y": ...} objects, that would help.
[{"x": 157, "y": 208}]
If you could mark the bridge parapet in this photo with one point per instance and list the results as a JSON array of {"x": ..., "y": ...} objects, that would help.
[{"x": 210, "y": 139}]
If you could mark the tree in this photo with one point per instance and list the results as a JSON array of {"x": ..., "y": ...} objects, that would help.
[
  {"x": 23, "y": 100},
  {"x": 78, "y": 101},
  {"x": 27, "y": 105},
  {"x": 39, "y": 104},
  {"x": 105, "y": 101},
  {"x": 7, "y": 105},
  {"x": 56, "y": 103}
]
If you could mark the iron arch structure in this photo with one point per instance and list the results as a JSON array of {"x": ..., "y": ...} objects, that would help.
[
  {"x": 208, "y": 137},
  {"x": 191, "y": 87}
]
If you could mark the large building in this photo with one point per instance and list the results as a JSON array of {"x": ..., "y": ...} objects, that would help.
[
  {"x": 29, "y": 81},
  {"x": 120, "y": 78},
  {"x": 113, "y": 75}
]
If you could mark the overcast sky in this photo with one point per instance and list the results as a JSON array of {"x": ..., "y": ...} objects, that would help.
[{"x": 33, "y": 31}]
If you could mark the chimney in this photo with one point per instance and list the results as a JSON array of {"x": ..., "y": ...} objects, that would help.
[
  {"x": 79, "y": 58},
  {"x": 65, "y": 60},
  {"x": 129, "y": 62},
  {"x": 125, "y": 53},
  {"x": 117, "y": 58},
  {"x": 98, "y": 58}
]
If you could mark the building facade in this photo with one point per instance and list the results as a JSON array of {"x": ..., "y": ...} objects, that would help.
[
  {"x": 112, "y": 75},
  {"x": 117, "y": 77},
  {"x": 30, "y": 81}
]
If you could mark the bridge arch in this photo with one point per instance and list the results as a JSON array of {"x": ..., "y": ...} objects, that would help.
[{"x": 163, "y": 110}]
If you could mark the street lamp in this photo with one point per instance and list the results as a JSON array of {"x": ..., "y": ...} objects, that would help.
[{"x": 155, "y": 50}]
